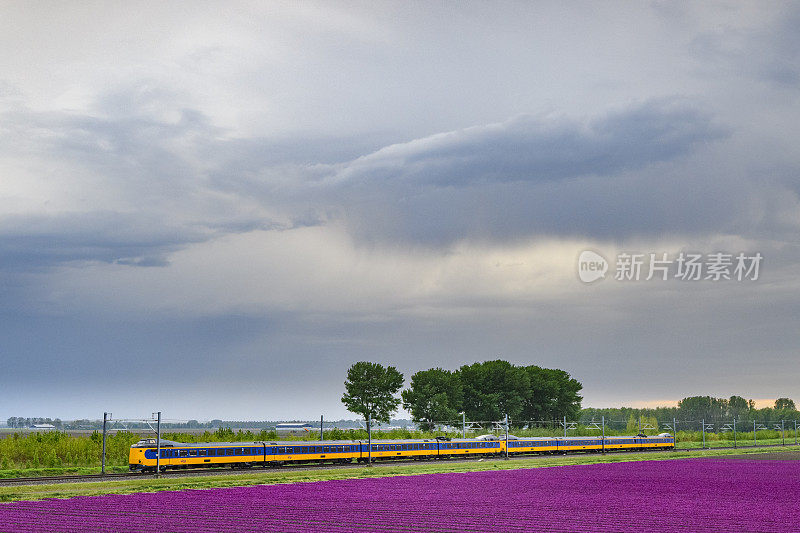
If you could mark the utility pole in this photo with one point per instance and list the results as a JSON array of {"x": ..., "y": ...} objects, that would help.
[
  {"x": 369, "y": 440},
  {"x": 158, "y": 444},
  {"x": 755, "y": 437},
  {"x": 565, "y": 427},
  {"x": 103, "y": 464},
  {"x": 603, "y": 437},
  {"x": 463, "y": 425},
  {"x": 783, "y": 435},
  {"x": 507, "y": 434},
  {"x": 704, "y": 433},
  {"x": 734, "y": 432},
  {"x": 675, "y": 431},
  {"x": 321, "y": 431}
]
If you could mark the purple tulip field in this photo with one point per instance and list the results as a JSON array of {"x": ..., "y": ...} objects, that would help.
[{"x": 675, "y": 495}]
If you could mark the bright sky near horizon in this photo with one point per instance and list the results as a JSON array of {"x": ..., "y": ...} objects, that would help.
[{"x": 212, "y": 209}]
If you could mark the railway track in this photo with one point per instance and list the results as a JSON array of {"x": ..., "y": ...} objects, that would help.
[{"x": 81, "y": 477}]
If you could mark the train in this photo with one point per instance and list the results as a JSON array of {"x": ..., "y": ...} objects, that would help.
[{"x": 179, "y": 455}]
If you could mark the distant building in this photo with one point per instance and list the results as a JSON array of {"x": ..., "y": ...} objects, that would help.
[
  {"x": 289, "y": 426},
  {"x": 43, "y": 427}
]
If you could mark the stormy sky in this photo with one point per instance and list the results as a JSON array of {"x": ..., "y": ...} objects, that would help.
[{"x": 213, "y": 209}]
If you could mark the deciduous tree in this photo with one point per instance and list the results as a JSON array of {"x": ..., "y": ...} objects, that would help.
[{"x": 370, "y": 390}]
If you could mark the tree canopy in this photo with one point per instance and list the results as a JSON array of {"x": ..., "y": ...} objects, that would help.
[
  {"x": 785, "y": 404},
  {"x": 370, "y": 390},
  {"x": 489, "y": 390},
  {"x": 435, "y": 395}
]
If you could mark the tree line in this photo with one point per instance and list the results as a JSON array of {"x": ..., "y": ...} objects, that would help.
[
  {"x": 486, "y": 391},
  {"x": 696, "y": 408},
  {"x": 26, "y": 422}
]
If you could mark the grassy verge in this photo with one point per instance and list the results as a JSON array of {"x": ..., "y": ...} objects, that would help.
[
  {"x": 739, "y": 442},
  {"x": 266, "y": 477},
  {"x": 61, "y": 471}
]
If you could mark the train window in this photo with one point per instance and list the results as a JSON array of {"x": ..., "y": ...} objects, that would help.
[
  {"x": 192, "y": 453},
  {"x": 202, "y": 453},
  {"x": 228, "y": 451},
  {"x": 184, "y": 453}
]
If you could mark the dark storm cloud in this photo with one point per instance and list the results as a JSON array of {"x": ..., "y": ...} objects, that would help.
[
  {"x": 614, "y": 176},
  {"x": 538, "y": 150}
]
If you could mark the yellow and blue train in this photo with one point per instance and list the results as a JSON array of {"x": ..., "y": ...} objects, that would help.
[{"x": 248, "y": 454}]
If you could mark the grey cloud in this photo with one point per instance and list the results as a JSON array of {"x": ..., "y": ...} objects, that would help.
[
  {"x": 768, "y": 54},
  {"x": 615, "y": 176},
  {"x": 537, "y": 150},
  {"x": 38, "y": 241},
  {"x": 161, "y": 180}
]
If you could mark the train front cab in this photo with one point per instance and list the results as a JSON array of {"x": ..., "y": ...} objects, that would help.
[{"x": 142, "y": 455}]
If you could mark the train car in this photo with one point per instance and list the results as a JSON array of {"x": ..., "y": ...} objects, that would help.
[
  {"x": 531, "y": 445},
  {"x": 383, "y": 450},
  {"x": 334, "y": 451},
  {"x": 469, "y": 448}
]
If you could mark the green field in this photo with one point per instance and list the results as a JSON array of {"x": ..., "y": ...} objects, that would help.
[{"x": 289, "y": 475}]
